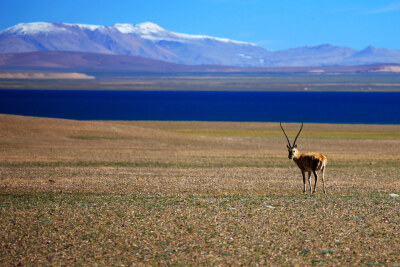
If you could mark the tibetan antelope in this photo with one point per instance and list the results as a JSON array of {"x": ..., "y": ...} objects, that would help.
[{"x": 307, "y": 162}]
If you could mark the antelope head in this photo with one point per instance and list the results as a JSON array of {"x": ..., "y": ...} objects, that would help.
[{"x": 292, "y": 149}]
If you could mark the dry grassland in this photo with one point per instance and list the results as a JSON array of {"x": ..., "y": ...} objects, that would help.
[{"x": 194, "y": 193}]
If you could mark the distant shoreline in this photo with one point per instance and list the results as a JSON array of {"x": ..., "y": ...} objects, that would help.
[
  {"x": 45, "y": 75},
  {"x": 213, "y": 81}
]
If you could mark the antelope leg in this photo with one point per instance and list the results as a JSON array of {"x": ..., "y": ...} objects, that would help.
[{"x": 316, "y": 178}]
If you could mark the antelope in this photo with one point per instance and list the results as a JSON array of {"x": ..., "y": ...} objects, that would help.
[{"x": 307, "y": 162}]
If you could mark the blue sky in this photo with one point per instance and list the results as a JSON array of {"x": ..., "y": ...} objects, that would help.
[{"x": 271, "y": 24}]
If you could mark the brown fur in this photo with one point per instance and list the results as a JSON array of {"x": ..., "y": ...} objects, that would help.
[{"x": 310, "y": 162}]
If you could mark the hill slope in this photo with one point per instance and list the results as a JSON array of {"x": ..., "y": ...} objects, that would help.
[{"x": 92, "y": 62}]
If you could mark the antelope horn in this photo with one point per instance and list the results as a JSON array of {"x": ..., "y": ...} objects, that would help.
[
  {"x": 294, "y": 143},
  {"x": 285, "y": 133}
]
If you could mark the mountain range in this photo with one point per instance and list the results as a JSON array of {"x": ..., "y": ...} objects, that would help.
[{"x": 151, "y": 41}]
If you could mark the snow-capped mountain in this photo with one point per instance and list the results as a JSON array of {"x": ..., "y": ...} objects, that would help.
[
  {"x": 152, "y": 41},
  {"x": 43, "y": 36},
  {"x": 146, "y": 40}
]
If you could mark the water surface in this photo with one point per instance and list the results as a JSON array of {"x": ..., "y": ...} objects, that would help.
[{"x": 318, "y": 107}]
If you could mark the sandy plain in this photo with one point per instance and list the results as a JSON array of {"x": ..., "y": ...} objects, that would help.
[{"x": 195, "y": 193}]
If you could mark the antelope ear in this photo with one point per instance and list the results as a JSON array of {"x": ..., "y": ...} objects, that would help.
[
  {"x": 287, "y": 146},
  {"x": 295, "y": 146}
]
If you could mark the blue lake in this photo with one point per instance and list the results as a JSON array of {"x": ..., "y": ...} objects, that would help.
[{"x": 324, "y": 107}]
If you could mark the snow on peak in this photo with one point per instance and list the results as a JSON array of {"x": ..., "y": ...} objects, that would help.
[
  {"x": 35, "y": 27},
  {"x": 125, "y": 28},
  {"x": 154, "y": 32},
  {"x": 140, "y": 29},
  {"x": 150, "y": 27},
  {"x": 86, "y": 26},
  {"x": 188, "y": 38},
  {"x": 47, "y": 27}
]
